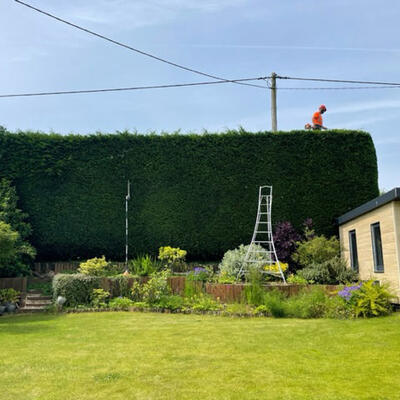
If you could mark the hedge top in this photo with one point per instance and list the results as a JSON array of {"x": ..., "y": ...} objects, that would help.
[{"x": 193, "y": 191}]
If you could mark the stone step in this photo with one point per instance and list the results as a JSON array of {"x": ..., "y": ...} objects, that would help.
[
  {"x": 37, "y": 296},
  {"x": 37, "y": 303}
]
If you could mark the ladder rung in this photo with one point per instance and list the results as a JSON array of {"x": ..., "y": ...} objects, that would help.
[
  {"x": 263, "y": 231},
  {"x": 262, "y": 241}
]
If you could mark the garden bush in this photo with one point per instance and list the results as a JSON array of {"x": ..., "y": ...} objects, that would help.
[
  {"x": 95, "y": 267},
  {"x": 274, "y": 301},
  {"x": 194, "y": 191},
  {"x": 99, "y": 298},
  {"x": 316, "y": 250},
  {"x": 16, "y": 253},
  {"x": 143, "y": 265},
  {"x": 233, "y": 262},
  {"x": 333, "y": 272},
  {"x": 309, "y": 303},
  {"x": 369, "y": 299},
  {"x": 121, "y": 303},
  {"x": 76, "y": 288},
  {"x": 174, "y": 258},
  {"x": 157, "y": 287}
]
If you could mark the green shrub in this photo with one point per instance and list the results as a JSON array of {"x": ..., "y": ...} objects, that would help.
[
  {"x": 204, "y": 302},
  {"x": 172, "y": 302},
  {"x": 316, "y": 273},
  {"x": 16, "y": 253},
  {"x": 372, "y": 300},
  {"x": 192, "y": 288},
  {"x": 333, "y": 272},
  {"x": 309, "y": 303},
  {"x": 156, "y": 288},
  {"x": 77, "y": 182},
  {"x": 9, "y": 296},
  {"x": 296, "y": 280},
  {"x": 274, "y": 301},
  {"x": 76, "y": 288},
  {"x": 174, "y": 258},
  {"x": 94, "y": 267},
  {"x": 254, "y": 292},
  {"x": 316, "y": 250},
  {"x": 143, "y": 265},
  {"x": 99, "y": 297},
  {"x": 223, "y": 277},
  {"x": 233, "y": 262},
  {"x": 121, "y": 303}
]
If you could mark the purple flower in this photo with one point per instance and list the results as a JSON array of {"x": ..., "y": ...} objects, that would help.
[
  {"x": 199, "y": 270},
  {"x": 347, "y": 291}
]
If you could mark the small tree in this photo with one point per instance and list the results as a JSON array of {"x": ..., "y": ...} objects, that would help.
[
  {"x": 285, "y": 240},
  {"x": 14, "y": 233}
]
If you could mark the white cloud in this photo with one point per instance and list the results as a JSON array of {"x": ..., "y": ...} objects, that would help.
[
  {"x": 366, "y": 106},
  {"x": 308, "y": 48},
  {"x": 125, "y": 14}
]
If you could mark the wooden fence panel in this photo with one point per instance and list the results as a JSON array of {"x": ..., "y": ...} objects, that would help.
[{"x": 14, "y": 283}]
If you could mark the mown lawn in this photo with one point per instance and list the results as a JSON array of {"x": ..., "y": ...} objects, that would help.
[{"x": 123, "y": 355}]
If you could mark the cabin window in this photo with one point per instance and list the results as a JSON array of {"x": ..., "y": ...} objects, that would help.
[
  {"x": 377, "y": 247},
  {"x": 353, "y": 250}
]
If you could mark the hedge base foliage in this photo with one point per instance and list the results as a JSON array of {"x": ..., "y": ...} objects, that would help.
[{"x": 196, "y": 192}]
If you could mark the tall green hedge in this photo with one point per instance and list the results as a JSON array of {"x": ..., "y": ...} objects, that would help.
[{"x": 198, "y": 192}]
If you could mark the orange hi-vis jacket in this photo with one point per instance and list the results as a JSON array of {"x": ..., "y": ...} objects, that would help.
[{"x": 317, "y": 118}]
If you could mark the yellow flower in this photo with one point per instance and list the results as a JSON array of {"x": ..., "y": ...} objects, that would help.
[{"x": 275, "y": 267}]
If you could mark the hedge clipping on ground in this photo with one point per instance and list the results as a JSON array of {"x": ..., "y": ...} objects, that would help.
[{"x": 196, "y": 192}]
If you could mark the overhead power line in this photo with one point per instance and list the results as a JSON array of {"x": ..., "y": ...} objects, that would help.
[
  {"x": 176, "y": 85},
  {"x": 340, "y": 88},
  {"x": 339, "y": 81},
  {"x": 130, "y": 47}
]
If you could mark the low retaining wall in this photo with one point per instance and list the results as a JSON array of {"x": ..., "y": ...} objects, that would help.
[{"x": 230, "y": 293}]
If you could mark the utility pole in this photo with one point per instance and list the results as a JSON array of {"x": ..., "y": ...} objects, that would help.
[
  {"x": 273, "y": 103},
  {"x": 127, "y": 198}
]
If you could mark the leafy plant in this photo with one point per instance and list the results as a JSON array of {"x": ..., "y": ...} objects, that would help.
[
  {"x": 372, "y": 300},
  {"x": 173, "y": 257},
  {"x": 121, "y": 303},
  {"x": 316, "y": 250},
  {"x": 203, "y": 302},
  {"x": 333, "y": 271},
  {"x": 9, "y": 295},
  {"x": 309, "y": 303},
  {"x": 254, "y": 292},
  {"x": 172, "y": 302},
  {"x": 223, "y": 277},
  {"x": 156, "y": 288},
  {"x": 296, "y": 280},
  {"x": 285, "y": 241},
  {"x": 143, "y": 265},
  {"x": 76, "y": 288},
  {"x": 200, "y": 274},
  {"x": 233, "y": 261},
  {"x": 94, "y": 267},
  {"x": 99, "y": 297},
  {"x": 16, "y": 253},
  {"x": 274, "y": 302}
]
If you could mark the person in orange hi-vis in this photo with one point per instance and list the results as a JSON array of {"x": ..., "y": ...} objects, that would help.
[{"x": 317, "y": 118}]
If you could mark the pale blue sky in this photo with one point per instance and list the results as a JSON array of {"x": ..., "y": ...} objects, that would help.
[{"x": 336, "y": 39}]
